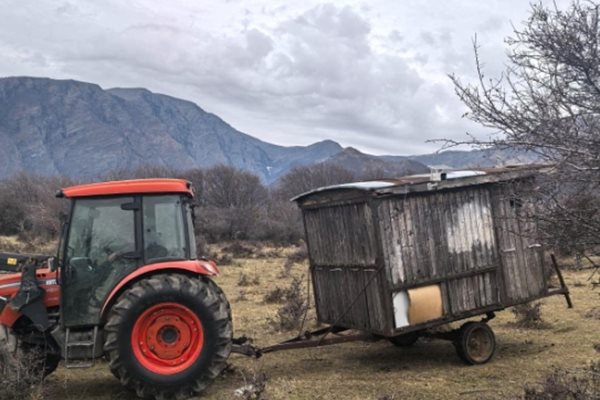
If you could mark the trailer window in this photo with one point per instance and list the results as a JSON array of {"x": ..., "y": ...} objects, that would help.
[{"x": 164, "y": 234}]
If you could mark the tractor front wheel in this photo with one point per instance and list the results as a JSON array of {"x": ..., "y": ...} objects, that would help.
[{"x": 169, "y": 336}]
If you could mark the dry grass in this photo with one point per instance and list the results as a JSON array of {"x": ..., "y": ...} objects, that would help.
[
  {"x": 375, "y": 370},
  {"x": 16, "y": 245}
]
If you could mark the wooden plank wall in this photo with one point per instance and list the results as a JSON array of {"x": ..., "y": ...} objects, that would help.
[
  {"x": 337, "y": 288},
  {"x": 469, "y": 240},
  {"x": 341, "y": 235},
  {"x": 343, "y": 253},
  {"x": 441, "y": 235},
  {"x": 521, "y": 255}
]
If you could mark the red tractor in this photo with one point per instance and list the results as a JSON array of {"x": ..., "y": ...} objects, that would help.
[{"x": 126, "y": 284}]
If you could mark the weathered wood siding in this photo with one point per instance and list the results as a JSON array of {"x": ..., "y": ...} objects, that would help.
[
  {"x": 343, "y": 253},
  {"x": 520, "y": 252},
  {"x": 350, "y": 297},
  {"x": 471, "y": 240},
  {"x": 442, "y": 236},
  {"x": 341, "y": 236}
]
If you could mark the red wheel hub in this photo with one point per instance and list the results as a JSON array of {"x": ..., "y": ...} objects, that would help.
[{"x": 167, "y": 338}]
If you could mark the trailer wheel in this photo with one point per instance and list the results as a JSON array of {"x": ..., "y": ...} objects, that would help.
[
  {"x": 169, "y": 336},
  {"x": 406, "y": 340},
  {"x": 475, "y": 343}
]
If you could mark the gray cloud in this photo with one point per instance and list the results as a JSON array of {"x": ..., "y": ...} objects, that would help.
[{"x": 370, "y": 76}]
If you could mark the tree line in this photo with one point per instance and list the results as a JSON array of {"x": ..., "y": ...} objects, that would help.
[{"x": 232, "y": 204}]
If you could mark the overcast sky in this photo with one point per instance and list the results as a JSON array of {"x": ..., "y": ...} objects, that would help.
[{"x": 368, "y": 74}]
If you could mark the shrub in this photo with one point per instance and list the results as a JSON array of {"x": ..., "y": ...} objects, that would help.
[
  {"x": 276, "y": 295},
  {"x": 594, "y": 313},
  {"x": 254, "y": 387},
  {"x": 224, "y": 259},
  {"x": 239, "y": 250},
  {"x": 242, "y": 296},
  {"x": 567, "y": 385},
  {"x": 291, "y": 314},
  {"x": 298, "y": 256},
  {"x": 245, "y": 280},
  {"x": 529, "y": 315}
]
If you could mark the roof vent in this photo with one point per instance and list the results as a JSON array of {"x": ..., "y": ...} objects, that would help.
[{"x": 438, "y": 175}]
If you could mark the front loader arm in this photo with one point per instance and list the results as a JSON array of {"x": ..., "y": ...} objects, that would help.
[{"x": 23, "y": 294}]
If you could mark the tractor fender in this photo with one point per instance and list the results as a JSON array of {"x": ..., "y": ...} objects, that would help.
[{"x": 194, "y": 267}]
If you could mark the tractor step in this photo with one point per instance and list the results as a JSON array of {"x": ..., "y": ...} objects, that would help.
[{"x": 80, "y": 348}]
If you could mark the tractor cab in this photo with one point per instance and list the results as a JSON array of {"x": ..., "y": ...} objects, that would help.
[
  {"x": 127, "y": 285},
  {"x": 110, "y": 236}
]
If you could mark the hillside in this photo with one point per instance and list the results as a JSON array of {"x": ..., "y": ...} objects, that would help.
[
  {"x": 77, "y": 129},
  {"x": 456, "y": 159}
]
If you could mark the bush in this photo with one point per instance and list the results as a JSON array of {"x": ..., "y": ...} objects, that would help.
[
  {"x": 239, "y": 250},
  {"x": 254, "y": 388},
  {"x": 245, "y": 280},
  {"x": 594, "y": 313},
  {"x": 291, "y": 314},
  {"x": 295, "y": 257},
  {"x": 29, "y": 207},
  {"x": 529, "y": 315},
  {"x": 563, "y": 384},
  {"x": 231, "y": 204},
  {"x": 299, "y": 255},
  {"x": 276, "y": 295}
]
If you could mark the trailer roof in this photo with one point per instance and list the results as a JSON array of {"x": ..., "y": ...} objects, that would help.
[
  {"x": 135, "y": 186},
  {"x": 433, "y": 181}
]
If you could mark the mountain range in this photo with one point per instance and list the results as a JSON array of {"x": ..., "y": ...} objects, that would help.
[{"x": 78, "y": 129}]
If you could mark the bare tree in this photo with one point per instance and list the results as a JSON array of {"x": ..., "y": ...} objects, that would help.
[
  {"x": 30, "y": 207},
  {"x": 233, "y": 202},
  {"x": 303, "y": 179},
  {"x": 548, "y": 102}
]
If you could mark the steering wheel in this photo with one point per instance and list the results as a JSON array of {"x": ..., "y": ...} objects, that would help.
[{"x": 114, "y": 255}]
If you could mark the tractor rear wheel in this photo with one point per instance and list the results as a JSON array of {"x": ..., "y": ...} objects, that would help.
[{"x": 169, "y": 336}]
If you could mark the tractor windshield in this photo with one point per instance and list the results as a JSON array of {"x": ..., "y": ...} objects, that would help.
[{"x": 165, "y": 228}]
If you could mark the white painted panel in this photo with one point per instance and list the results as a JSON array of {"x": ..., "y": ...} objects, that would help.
[
  {"x": 401, "y": 305},
  {"x": 462, "y": 239}
]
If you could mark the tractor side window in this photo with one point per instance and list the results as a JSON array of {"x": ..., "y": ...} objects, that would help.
[
  {"x": 101, "y": 239},
  {"x": 164, "y": 234},
  {"x": 101, "y": 230}
]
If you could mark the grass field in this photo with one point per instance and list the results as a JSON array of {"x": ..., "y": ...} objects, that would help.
[{"x": 374, "y": 370}]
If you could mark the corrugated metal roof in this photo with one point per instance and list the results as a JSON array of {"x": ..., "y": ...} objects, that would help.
[{"x": 432, "y": 179}]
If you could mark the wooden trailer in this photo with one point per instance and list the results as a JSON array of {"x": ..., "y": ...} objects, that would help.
[{"x": 394, "y": 258}]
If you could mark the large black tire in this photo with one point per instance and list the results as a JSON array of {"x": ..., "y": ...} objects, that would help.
[
  {"x": 475, "y": 343},
  {"x": 201, "y": 297},
  {"x": 406, "y": 340},
  {"x": 24, "y": 363}
]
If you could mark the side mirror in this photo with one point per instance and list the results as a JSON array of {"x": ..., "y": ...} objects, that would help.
[{"x": 52, "y": 264}]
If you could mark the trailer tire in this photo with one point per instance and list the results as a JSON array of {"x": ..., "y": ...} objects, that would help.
[
  {"x": 475, "y": 343},
  {"x": 169, "y": 336},
  {"x": 405, "y": 340}
]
